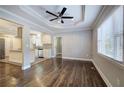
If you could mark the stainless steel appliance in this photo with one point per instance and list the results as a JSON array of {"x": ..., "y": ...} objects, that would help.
[{"x": 2, "y": 48}]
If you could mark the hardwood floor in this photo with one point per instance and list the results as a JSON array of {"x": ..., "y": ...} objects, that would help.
[{"x": 51, "y": 73}]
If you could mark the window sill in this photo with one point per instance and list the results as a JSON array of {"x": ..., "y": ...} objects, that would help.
[{"x": 113, "y": 61}]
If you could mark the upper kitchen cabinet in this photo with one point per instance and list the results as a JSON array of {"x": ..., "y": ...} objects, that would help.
[{"x": 46, "y": 39}]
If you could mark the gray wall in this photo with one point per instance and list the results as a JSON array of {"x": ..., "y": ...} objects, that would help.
[
  {"x": 113, "y": 71},
  {"x": 76, "y": 44}
]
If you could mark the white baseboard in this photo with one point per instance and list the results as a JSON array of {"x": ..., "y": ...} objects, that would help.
[
  {"x": 102, "y": 75},
  {"x": 83, "y": 59},
  {"x": 26, "y": 67},
  {"x": 52, "y": 56},
  {"x": 58, "y": 53}
]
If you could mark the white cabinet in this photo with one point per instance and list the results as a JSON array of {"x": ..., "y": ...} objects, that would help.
[
  {"x": 15, "y": 56},
  {"x": 46, "y": 39},
  {"x": 47, "y": 53},
  {"x": 47, "y": 45},
  {"x": 32, "y": 56}
]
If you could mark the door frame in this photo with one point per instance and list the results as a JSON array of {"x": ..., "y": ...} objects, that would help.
[{"x": 55, "y": 44}]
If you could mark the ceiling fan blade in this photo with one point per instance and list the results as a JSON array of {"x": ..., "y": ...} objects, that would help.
[
  {"x": 51, "y": 13},
  {"x": 62, "y": 21},
  {"x": 67, "y": 17},
  {"x": 62, "y": 12},
  {"x": 53, "y": 19}
]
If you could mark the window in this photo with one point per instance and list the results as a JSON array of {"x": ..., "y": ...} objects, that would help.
[{"x": 110, "y": 36}]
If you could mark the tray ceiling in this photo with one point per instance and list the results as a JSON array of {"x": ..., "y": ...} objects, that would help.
[{"x": 36, "y": 17}]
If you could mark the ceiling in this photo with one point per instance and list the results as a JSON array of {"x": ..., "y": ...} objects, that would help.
[
  {"x": 36, "y": 17},
  {"x": 76, "y": 11},
  {"x": 7, "y": 27}
]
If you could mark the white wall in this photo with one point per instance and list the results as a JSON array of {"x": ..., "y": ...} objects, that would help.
[
  {"x": 111, "y": 70},
  {"x": 76, "y": 44}
]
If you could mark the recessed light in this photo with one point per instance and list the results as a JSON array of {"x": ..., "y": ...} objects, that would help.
[
  {"x": 72, "y": 19},
  {"x": 59, "y": 21}
]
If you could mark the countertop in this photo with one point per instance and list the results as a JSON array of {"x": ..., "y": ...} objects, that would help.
[
  {"x": 20, "y": 50},
  {"x": 15, "y": 50}
]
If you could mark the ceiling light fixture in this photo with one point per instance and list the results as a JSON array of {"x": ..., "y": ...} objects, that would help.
[
  {"x": 60, "y": 16},
  {"x": 59, "y": 21},
  {"x": 72, "y": 19}
]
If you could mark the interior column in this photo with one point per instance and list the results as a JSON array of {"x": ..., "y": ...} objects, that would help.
[{"x": 26, "y": 48}]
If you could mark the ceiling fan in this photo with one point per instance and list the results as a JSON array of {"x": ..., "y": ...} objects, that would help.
[{"x": 60, "y": 16}]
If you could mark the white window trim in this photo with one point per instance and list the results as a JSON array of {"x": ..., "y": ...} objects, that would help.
[
  {"x": 110, "y": 58},
  {"x": 117, "y": 62}
]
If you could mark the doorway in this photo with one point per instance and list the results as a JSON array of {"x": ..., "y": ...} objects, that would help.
[{"x": 59, "y": 47}]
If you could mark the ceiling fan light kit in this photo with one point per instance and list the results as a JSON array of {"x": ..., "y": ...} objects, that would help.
[{"x": 60, "y": 16}]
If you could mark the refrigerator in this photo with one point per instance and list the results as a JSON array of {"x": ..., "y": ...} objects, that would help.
[{"x": 2, "y": 48}]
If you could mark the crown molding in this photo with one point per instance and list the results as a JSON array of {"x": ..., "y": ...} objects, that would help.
[
  {"x": 98, "y": 17},
  {"x": 74, "y": 30},
  {"x": 16, "y": 17},
  {"x": 103, "y": 14},
  {"x": 45, "y": 25},
  {"x": 33, "y": 13}
]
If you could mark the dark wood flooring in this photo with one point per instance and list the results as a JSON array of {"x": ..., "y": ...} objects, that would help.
[{"x": 51, "y": 73}]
